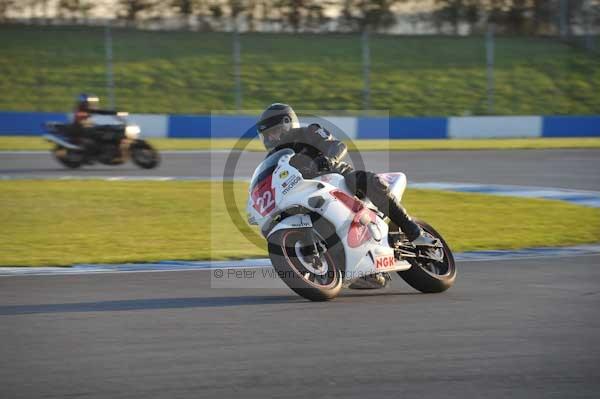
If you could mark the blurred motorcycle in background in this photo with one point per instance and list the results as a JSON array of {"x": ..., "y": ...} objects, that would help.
[{"x": 108, "y": 144}]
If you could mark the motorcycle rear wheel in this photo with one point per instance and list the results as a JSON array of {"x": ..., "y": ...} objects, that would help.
[
  {"x": 429, "y": 276},
  {"x": 286, "y": 249},
  {"x": 70, "y": 158}
]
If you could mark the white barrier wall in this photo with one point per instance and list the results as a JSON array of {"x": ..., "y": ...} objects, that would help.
[
  {"x": 152, "y": 125},
  {"x": 232, "y": 126},
  {"x": 494, "y": 126}
]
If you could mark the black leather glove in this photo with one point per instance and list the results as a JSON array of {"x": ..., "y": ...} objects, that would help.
[
  {"x": 305, "y": 165},
  {"x": 323, "y": 163}
]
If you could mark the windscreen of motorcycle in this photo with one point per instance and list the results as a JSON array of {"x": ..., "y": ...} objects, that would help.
[{"x": 261, "y": 189}]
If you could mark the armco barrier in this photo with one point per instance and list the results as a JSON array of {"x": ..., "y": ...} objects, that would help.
[
  {"x": 494, "y": 126},
  {"x": 571, "y": 126},
  {"x": 152, "y": 125},
  {"x": 402, "y": 128},
  {"x": 205, "y": 126},
  {"x": 185, "y": 126},
  {"x": 27, "y": 123}
]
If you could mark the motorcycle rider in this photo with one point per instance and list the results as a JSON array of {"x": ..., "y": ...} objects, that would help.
[
  {"x": 86, "y": 106},
  {"x": 317, "y": 151}
]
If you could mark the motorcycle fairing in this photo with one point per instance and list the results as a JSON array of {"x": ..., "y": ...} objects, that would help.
[{"x": 292, "y": 191}]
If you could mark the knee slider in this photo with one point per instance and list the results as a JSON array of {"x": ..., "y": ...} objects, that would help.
[
  {"x": 378, "y": 185},
  {"x": 378, "y": 182}
]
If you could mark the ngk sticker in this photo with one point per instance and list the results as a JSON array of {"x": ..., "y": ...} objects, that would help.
[{"x": 383, "y": 262}]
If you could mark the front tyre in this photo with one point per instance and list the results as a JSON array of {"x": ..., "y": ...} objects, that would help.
[
  {"x": 144, "y": 155},
  {"x": 291, "y": 256},
  {"x": 427, "y": 275}
]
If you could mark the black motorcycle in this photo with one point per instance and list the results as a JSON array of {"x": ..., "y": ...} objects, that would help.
[{"x": 106, "y": 144}]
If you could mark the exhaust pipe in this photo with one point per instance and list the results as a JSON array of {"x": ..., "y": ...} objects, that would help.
[{"x": 58, "y": 140}]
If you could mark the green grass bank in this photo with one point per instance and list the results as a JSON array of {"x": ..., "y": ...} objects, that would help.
[
  {"x": 67, "y": 222},
  {"x": 42, "y": 68}
]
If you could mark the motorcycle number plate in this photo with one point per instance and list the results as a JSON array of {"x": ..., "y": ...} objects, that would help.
[{"x": 263, "y": 197}]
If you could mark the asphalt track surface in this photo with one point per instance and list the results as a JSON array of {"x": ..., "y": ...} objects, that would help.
[
  {"x": 526, "y": 329},
  {"x": 572, "y": 169},
  {"x": 520, "y": 329}
]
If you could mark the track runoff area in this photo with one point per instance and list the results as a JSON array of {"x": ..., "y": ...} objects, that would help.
[{"x": 525, "y": 326}]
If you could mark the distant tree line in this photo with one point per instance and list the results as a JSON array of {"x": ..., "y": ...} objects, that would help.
[
  {"x": 445, "y": 16},
  {"x": 518, "y": 16}
]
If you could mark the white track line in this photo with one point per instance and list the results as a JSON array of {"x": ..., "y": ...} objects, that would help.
[
  {"x": 167, "y": 152},
  {"x": 172, "y": 266},
  {"x": 120, "y": 178},
  {"x": 578, "y": 197}
]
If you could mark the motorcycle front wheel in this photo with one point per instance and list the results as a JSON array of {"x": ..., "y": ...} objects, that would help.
[
  {"x": 427, "y": 275},
  {"x": 144, "y": 155},
  {"x": 292, "y": 256}
]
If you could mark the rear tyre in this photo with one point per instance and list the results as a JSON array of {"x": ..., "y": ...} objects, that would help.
[
  {"x": 70, "y": 158},
  {"x": 290, "y": 250},
  {"x": 429, "y": 276},
  {"x": 144, "y": 155}
]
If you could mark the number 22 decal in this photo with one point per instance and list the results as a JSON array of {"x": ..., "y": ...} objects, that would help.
[
  {"x": 264, "y": 204},
  {"x": 263, "y": 197}
]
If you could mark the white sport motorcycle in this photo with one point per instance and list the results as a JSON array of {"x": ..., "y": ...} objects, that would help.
[{"x": 322, "y": 238}]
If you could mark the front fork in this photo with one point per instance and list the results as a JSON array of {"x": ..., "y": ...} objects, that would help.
[{"x": 314, "y": 250}]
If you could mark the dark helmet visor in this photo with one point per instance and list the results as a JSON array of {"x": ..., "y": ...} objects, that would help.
[{"x": 268, "y": 123}]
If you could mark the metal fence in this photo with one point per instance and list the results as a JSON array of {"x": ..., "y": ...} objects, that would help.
[{"x": 43, "y": 68}]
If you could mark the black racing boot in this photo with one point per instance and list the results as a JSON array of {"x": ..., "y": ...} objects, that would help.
[
  {"x": 426, "y": 240},
  {"x": 400, "y": 217},
  {"x": 378, "y": 191},
  {"x": 413, "y": 232},
  {"x": 368, "y": 184},
  {"x": 389, "y": 205}
]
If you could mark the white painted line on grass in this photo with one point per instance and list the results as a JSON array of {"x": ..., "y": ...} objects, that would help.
[{"x": 577, "y": 197}]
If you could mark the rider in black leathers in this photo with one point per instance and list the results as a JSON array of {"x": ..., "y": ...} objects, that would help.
[
  {"x": 318, "y": 152},
  {"x": 86, "y": 106},
  {"x": 82, "y": 127}
]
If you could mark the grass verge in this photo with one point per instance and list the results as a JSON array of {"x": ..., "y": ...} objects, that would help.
[
  {"x": 191, "y": 72},
  {"x": 67, "y": 222},
  {"x": 24, "y": 143}
]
